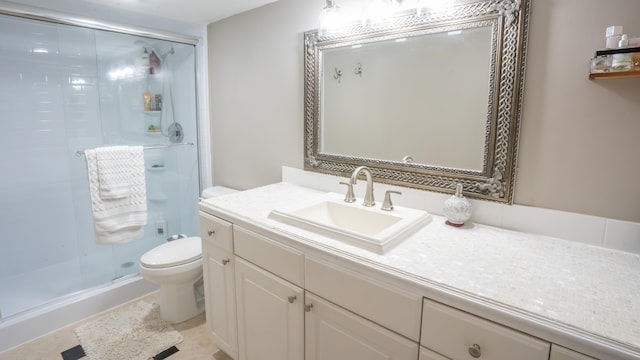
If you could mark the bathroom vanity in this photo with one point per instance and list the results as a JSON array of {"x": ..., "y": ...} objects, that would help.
[{"x": 278, "y": 291}]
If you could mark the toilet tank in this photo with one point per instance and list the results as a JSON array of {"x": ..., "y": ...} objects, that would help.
[{"x": 216, "y": 191}]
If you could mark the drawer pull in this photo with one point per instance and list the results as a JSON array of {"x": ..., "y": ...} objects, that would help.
[
  {"x": 308, "y": 307},
  {"x": 225, "y": 261},
  {"x": 291, "y": 299},
  {"x": 474, "y": 351},
  {"x": 211, "y": 232}
]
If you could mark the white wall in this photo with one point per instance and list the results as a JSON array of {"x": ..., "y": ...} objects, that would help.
[
  {"x": 580, "y": 143},
  {"x": 579, "y": 138}
]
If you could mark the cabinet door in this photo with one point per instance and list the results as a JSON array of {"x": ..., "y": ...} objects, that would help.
[
  {"x": 270, "y": 315},
  {"x": 332, "y": 333},
  {"x": 220, "y": 297},
  {"x": 560, "y": 353}
]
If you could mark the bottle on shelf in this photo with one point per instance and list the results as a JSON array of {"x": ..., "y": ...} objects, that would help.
[
  {"x": 622, "y": 62},
  {"x": 144, "y": 61},
  {"x": 147, "y": 101}
]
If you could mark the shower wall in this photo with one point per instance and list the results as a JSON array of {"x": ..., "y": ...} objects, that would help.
[{"x": 64, "y": 89}]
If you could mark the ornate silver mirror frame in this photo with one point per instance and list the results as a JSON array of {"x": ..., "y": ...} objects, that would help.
[{"x": 509, "y": 22}]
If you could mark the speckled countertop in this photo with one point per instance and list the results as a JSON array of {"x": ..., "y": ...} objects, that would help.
[{"x": 593, "y": 289}]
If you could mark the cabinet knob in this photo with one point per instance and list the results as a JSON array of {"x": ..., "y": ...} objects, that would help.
[
  {"x": 308, "y": 307},
  {"x": 225, "y": 261},
  {"x": 291, "y": 299},
  {"x": 474, "y": 351},
  {"x": 211, "y": 232}
]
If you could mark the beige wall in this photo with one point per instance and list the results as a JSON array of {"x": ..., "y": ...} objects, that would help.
[{"x": 579, "y": 142}]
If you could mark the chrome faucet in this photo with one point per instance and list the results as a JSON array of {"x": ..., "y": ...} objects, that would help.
[{"x": 368, "y": 196}]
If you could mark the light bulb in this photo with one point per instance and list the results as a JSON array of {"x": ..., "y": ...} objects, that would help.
[{"x": 330, "y": 20}]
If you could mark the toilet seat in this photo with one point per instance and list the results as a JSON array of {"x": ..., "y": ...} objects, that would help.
[{"x": 173, "y": 253}]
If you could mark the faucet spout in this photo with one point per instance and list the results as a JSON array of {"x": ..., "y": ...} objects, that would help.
[{"x": 368, "y": 197}]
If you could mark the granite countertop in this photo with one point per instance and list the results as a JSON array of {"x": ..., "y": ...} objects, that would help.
[{"x": 593, "y": 289}]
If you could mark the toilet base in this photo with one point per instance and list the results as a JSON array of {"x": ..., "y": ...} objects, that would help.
[{"x": 181, "y": 302}]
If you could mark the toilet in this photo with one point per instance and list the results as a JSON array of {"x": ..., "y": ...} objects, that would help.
[{"x": 177, "y": 267}]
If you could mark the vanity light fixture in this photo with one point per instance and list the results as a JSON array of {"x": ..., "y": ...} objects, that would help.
[
  {"x": 378, "y": 12},
  {"x": 434, "y": 6},
  {"x": 331, "y": 18}
]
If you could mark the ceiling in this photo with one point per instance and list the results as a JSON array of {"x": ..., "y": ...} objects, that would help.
[{"x": 190, "y": 11}]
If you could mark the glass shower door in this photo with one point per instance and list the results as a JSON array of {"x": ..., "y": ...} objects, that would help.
[
  {"x": 147, "y": 86},
  {"x": 64, "y": 89}
]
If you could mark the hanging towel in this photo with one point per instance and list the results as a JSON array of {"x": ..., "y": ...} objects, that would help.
[
  {"x": 119, "y": 220},
  {"x": 114, "y": 171}
]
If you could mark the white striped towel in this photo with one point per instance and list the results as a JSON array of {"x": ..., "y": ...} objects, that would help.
[{"x": 119, "y": 220}]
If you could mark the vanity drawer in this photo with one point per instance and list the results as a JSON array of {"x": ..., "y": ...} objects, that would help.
[
  {"x": 560, "y": 353},
  {"x": 460, "y": 335},
  {"x": 277, "y": 258},
  {"x": 376, "y": 300},
  {"x": 216, "y": 231}
]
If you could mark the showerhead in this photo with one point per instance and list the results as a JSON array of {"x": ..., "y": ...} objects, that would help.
[{"x": 145, "y": 44}]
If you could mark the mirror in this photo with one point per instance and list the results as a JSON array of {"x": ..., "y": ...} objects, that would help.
[{"x": 427, "y": 101}]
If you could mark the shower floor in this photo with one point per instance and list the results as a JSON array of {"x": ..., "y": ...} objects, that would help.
[{"x": 29, "y": 290}]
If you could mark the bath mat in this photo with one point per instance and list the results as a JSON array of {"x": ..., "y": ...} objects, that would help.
[{"x": 135, "y": 332}]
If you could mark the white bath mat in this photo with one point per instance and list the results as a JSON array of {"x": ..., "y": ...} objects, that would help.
[{"x": 134, "y": 332}]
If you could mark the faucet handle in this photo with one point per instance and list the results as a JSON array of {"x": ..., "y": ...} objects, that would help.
[
  {"x": 350, "y": 196},
  {"x": 387, "y": 205}
]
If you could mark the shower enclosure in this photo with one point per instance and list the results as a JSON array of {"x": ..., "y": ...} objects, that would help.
[{"x": 66, "y": 88}]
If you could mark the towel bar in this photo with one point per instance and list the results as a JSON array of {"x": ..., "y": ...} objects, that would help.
[{"x": 148, "y": 147}]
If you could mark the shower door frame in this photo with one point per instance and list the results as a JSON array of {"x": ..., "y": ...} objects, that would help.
[{"x": 75, "y": 307}]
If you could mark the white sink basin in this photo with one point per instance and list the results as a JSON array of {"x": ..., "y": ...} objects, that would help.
[{"x": 366, "y": 227}]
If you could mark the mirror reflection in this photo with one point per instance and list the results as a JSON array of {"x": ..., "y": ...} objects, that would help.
[{"x": 406, "y": 98}]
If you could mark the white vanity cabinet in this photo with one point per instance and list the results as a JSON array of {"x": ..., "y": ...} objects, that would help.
[
  {"x": 332, "y": 333},
  {"x": 459, "y": 335},
  {"x": 273, "y": 297},
  {"x": 219, "y": 280},
  {"x": 276, "y": 320}
]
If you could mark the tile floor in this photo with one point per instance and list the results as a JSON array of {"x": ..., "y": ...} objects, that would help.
[{"x": 196, "y": 344}]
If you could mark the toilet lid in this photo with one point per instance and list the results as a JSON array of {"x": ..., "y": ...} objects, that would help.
[{"x": 173, "y": 253}]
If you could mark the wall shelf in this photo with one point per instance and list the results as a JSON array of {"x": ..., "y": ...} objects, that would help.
[
  {"x": 635, "y": 72},
  {"x": 615, "y": 74}
]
